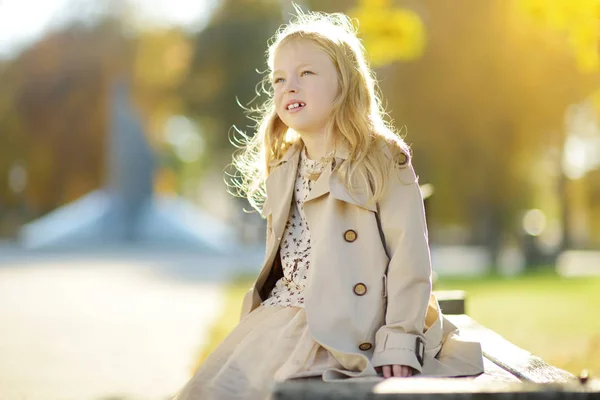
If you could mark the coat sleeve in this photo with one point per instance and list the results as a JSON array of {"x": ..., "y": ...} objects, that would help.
[{"x": 404, "y": 227}]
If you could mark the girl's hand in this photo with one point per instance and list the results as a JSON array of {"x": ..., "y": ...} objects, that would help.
[{"x": 402, "y": 371}]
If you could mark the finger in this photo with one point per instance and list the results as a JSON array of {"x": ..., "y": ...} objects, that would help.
[
  {"x": 387, "y": 371},
  {"x": 397, "y": 370},
  {"x": 409, "y": 371},
  {"x": 405, "y": 371}
]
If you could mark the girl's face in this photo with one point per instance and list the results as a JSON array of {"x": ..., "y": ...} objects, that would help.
[{"x": 305, "y": 83}]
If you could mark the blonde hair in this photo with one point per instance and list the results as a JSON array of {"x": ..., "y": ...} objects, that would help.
[{"x": 357, "y": 116}]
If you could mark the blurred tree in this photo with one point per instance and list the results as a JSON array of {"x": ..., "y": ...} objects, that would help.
[
  {"x": 389, "y": 33},
  {"x": 161, "y": 61},
  {"x": 12, "y": 150},
  {"x": 576, "y": 25},
  {"x": 483, "y": 98},
  {"x": 485, "y": 101},
  {"x": 226, "y": 57},
  {"x": 53, "y": 114},
  {"x": 227, "y": 64},
  {"x": 53, "y": 111},
  {"x": 578, "y": 20}
]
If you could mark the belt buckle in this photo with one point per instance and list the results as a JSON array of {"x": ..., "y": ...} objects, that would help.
[{"x": 420, "y": 350}]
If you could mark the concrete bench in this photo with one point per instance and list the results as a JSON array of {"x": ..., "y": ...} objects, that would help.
[{"x": 510, "y": 373}]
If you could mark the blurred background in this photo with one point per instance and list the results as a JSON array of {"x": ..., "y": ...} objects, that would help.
[{"x": 122, "y": 256}]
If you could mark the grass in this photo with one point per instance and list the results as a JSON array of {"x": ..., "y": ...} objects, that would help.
[{"x": 553, "y": 317}]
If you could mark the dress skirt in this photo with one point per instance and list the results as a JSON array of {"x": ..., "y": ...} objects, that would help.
[
  {"x": 273, "y": 344},
  {"x": 269, "y": 345}
]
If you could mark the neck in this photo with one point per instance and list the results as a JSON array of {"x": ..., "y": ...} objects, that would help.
[{"x": 316, "y": 146}]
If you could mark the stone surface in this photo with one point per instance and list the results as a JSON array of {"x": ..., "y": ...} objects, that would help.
[{"x": 118, "y": 326}]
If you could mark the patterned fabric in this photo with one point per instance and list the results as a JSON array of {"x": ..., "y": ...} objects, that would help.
[{"x": 295, "y": 245}]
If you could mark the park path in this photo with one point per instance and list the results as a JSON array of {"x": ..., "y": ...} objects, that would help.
[{"x": 124, "y": 326}]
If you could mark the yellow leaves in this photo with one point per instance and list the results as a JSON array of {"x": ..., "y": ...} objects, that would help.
[
  {"x": 548, "y": 12},
  {"x": 596, "y": 100},
  {"x": 388, "y": 33},
  {"x": 578, "y": 19},
  {"x": 162, "y": 58},
  {"x": 584, "y": 39}
]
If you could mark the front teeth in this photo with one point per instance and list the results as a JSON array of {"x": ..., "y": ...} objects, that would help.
[{"x": 295, "y": 105}]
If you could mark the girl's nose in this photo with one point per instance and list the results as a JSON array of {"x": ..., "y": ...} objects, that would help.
[{"x": 291, "y": 86}]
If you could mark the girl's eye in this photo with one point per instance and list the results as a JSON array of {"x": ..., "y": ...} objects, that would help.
[
  {"x": 305, "y": 72},
  {"x": 277, "y": 80}
]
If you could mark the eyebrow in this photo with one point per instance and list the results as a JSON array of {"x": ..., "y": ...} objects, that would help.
[{"x": 299, "y": 66}]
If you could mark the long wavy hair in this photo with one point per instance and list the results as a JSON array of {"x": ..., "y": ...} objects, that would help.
[{"x": 357, "y": 116}]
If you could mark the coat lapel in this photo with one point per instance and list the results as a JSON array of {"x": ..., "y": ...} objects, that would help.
[
  {"x": 321, "y": 186},
  {"x": 359, "y": 198},
  {"x": 280, "y": 188},
  {"x": 330, "y": 182}
]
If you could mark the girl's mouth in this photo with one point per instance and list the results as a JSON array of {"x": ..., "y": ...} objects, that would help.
[{"x": 295, "y": 107}]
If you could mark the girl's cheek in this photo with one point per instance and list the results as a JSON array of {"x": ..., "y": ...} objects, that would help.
[
  {"x": 277, "y": 99},
  {"x": 278, "y": 112}
]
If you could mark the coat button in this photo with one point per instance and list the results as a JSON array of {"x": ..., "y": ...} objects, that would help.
[
  {"x": 350, "y": 235},
  {"x": 365, "y": 346},
  {"x": 402, "y": 160},
  {"x": 360, "y": 289}
]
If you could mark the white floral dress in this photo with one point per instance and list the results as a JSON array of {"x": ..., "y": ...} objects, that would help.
[
  {"x": 295, "y": 245},
  {"x": 276, "y": 332}
]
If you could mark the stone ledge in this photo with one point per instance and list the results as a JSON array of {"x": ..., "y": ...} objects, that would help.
[{"x": 436, "y": 389}]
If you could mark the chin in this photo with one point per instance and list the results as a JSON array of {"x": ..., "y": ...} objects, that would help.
[{"x": 301, "y": 127}]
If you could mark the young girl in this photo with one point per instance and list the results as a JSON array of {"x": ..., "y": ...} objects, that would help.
[{"x": 345, "y": 289}]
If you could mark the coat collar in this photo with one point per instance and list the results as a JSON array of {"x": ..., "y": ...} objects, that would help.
[{"x": 280, "y": 185}]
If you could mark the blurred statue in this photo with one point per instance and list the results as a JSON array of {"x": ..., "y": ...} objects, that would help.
[
  {"x": 130, "y": 169},
  {"x": 126, "y": 212}
]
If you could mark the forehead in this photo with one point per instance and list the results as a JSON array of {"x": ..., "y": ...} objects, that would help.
[{"x": 297, "y": 52}]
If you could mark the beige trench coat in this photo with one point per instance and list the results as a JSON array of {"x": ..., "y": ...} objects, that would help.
[{"x": 367, "y": 302}]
